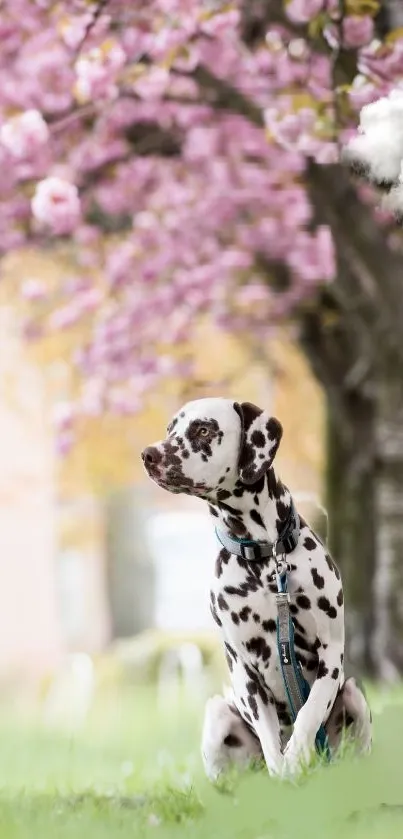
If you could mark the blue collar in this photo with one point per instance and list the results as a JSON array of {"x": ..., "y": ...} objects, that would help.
[{"x": 253, "y": 551}]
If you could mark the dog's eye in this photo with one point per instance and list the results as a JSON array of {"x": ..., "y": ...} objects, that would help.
[{"x": 203, "y": 431}]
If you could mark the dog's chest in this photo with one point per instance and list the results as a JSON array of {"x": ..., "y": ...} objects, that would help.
[{"x": 243, "y": 602}]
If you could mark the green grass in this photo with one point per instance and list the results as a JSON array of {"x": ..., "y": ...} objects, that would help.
[{"x": 135, "y": 772}]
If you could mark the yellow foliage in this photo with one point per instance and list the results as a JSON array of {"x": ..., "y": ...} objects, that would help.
[
  {"x": 362, "y": 7},
  {"x": 396, "y": 35}
]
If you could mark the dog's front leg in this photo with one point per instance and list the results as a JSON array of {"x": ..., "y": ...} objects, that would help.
[
  {"x": 252, "y": 696},
  {"x": 321, "y": 698}
]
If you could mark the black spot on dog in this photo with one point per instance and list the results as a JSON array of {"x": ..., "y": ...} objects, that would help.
[
  {"x": 322, "y": 670},
  {"x": 309, "y": 543},
  {"x": 335, "y": 673},
  {"x": 312, "y": 664},
  {"x": 233, "y": 653},
  {"x": 318, "y": 581},
  {"x": 212, "y": 511},
  {"x": 256, "y": 617},
  {"x": 258, "y": 439},
  {"x": 229, "y": 662},
  {"x": 236, "y": 526},
  {"x": 214, "y": 614},
  {"x": 340, "y": 598},
  {"x": 303, "y": 601},
  {"x": 244, "y": 613},
  {"x": 240, "y": 591},
  {"x": 228, "y": 509},
  {"x": 223, "y": 494},
  {"x": 298, "y": 626},
  {"x": 172, "y": 425},
  {"x": 284, "y": 718},
  {"x": 232, "y": 741},
  {"x": 254, "y": 685},
  {"x": 222, "y": 603},
  {"x": 222, "y": 559},
  {"x": 301, "y": 642},
  {"x": 257, "y": 646},
  {"x": 253, "y": 706},
  {"x": 256, "y": 517},
  {"x": 294, "y": 609},
  {"x": 274, "y": 429},
  {"x": 324, "y": 604},
  {"x": 282, "y": 510},
  {"x": 269, "y": 625},
  {"x": 235, "y": 618}
]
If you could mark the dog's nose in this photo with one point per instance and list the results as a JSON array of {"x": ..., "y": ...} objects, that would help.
[{"x": 151, "y": 456}]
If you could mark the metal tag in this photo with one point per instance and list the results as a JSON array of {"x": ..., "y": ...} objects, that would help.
[{"x": 285, "y": 652}]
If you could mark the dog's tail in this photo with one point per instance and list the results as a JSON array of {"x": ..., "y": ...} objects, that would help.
[{"x": 311, "y": 498}]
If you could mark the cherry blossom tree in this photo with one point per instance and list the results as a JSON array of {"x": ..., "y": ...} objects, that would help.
[{"x": 189, "y": 152}]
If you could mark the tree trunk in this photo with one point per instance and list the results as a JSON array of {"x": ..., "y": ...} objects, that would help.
[
  {"x": 351, "y": 503},
  {"x": 364, "y": 488},
  {"x": 388, "y": 578}
]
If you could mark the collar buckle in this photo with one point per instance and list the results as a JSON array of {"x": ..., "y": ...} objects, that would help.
[{"x": 250, "y": 552}]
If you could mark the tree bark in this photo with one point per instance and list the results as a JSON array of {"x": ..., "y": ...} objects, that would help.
[
  {"x": 388, "y": 577},
  {"x": 364, "y": 483},
  {"x": 351, "y": 502}
]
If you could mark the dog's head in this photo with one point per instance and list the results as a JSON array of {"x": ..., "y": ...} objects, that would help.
[{"x": 212, "y": 444}]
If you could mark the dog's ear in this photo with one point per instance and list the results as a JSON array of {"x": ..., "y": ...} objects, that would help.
[{"x": 260, "y": 439}]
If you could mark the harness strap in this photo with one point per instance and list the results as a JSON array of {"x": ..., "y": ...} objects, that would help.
[{"x": 296, "y": 687}]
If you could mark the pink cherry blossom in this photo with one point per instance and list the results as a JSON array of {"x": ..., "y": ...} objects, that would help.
[
  {"x": 174, "y": 156},
  {"x": 33, "y": 289},
  {"x": 24, "y": 134},
  {"x": 301, "y": 11},
  {"x": 357, "y": 31},
  {"x": 56, "y": 204},
  {"x": 97, "y": 72}
]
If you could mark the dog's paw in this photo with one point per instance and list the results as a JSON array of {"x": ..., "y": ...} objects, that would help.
[{"x": 296, "y": 759}]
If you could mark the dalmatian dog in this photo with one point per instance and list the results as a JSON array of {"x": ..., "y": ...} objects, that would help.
[{"x": 222, "y": 452}]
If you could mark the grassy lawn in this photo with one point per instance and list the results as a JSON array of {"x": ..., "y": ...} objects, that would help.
[{"x": 135, "y": 771}]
